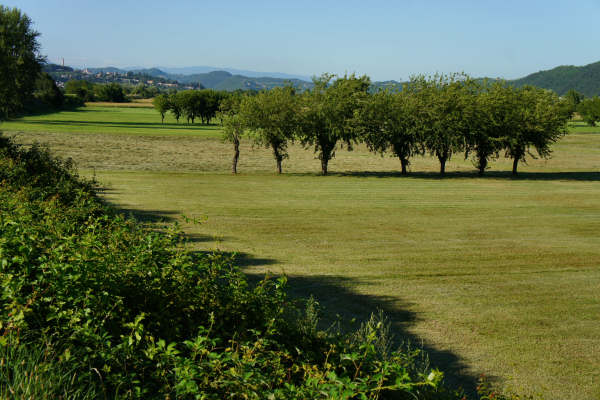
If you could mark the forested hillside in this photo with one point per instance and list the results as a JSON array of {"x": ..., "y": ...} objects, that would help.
[{"x": 585, "y": 79}]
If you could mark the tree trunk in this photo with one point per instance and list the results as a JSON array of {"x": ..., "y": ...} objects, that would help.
[
  {"x": 162, "y": 116},
  {"x": 324, "y": 162},
  {"x": 404, "y": 163},
  {"x": 278, "y": 157},
  {"x": 327, "y": 148},
  {"x": 236, "y": 155},
  {"x": 442, "y": 164},
  {"x": 515, "y": 163},
  {"x": 482, "y": 165}
]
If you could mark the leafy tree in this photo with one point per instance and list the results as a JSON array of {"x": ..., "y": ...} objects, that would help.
[
  {"x": 539, "y": 120},
  {"x": 162, "y": 104},
  {"x": 572, "y": 100},
  {"x": 492, "y": 117},
  {"x": 188, "y": 100},
  {"x": 590, "y": 110},
  {"x": 327, "y": 113},
  {"x": 20, "y": 61},
  {"x": 386, "y": 122},
  {"x": 82, "y": 89},
  {"x": 112, "y": 92},
  {"x": 144, "y": 91},
  {"x": 233, "y": 125},
  {"x": 47, "y": 92},
  {"x": 444, "y": 111},
  {"x": 176, "y": 103},
  {"x": 213, "y": 102},
  {"x": 272, "y": 118}
]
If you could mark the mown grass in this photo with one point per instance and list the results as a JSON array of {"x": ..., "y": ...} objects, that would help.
[
  {"x": 108, "y": 119},
  {"x": 495, "y": 275}
]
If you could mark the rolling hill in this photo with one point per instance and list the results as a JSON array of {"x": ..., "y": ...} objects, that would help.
[{"x": 585, "y": 79}]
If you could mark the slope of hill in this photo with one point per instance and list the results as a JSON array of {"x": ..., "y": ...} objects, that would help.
[
  {"x": 585, "y": 79},
  {"x": 223, "y": 80}
]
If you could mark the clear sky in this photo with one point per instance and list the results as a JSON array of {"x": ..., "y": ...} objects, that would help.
[{"x": 383, "y": 39}]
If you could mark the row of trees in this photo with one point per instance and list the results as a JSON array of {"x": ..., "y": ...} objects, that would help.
[
  {"x": 88, "y": 91},
  {"x": 191, "y": 104},
  {"x": 440, "y": 115}
]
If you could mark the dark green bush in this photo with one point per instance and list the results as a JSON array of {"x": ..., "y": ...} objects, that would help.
[{"x": 129, "y": 312}]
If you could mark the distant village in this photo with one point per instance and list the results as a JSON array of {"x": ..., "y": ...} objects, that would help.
[{"x": 63, "y": 74}]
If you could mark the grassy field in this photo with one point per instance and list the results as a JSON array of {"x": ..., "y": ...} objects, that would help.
[{"x": 492, "y": 275}]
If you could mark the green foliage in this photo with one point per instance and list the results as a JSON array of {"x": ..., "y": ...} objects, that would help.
[
  {"x": 162, "y": 104},
  {"x": 492, "y": 119},
  {"x": 386, "y": 122},
  {"x": 47, "y": 92},
  {"x": 112, "y": 92},
  {"x": 272, "y": 118},
  {"x": 233, "y": 124},
  {"x": 99, "y": 304},
  {"x": 38, "y": 372},
  {"x": 585, "y": 79},
  {"x": 444, "y": 112},
  {"x": 572, "y": 99},
  {"x": 327, "y": 112},
  {"x": 84, "y": 90},
  {"x": 196, "y": 103},
  {"x": 537, "y": 120},
  {"x": 590, "y": 110},
  {"x": 176, "y": 105},
  {"x": 19, "y": 60},
  {"x": 143, "y": 91}
]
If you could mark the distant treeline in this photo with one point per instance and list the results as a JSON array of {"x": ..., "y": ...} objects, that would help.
[
  {"x": 441, "y": 115},
  {"x": 190, "y": 104}
]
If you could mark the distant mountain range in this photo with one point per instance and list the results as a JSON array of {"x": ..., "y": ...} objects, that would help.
[
  {"x": 219, "y": 79},
  {"x": 584, "y": 79}
]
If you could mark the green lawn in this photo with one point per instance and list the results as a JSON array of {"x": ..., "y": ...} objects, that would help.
[
  {"x": 102, "y": 119},
  {"x": 492, "y": 275}
]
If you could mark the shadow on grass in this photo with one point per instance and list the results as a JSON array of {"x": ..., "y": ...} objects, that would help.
[
  {"x": 522, "y": 176},
  {"x": 199, "y": 238},
  {"x": 242, "y": 260},
  {"x": 336, "y": 296},
  {"x": 149, "y": 216}
]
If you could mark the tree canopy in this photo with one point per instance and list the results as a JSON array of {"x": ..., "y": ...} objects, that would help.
[
  {"x": 272, "y": 117},
  {"x": 20, "y": 61},
  {"x": 590, "y": 110},
  {"x": 444, "y": 112},
  {"x": 386, "y": 122},
  {"x": 327, "y": 112}
]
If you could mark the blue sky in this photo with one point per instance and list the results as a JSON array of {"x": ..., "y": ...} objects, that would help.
[{"x": 383, "y": 39}]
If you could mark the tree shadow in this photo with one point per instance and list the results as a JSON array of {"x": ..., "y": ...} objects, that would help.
[
  {"x": 242, "y": 260},
  {"x": 199, "y": 238},
  {"x": 149, "y": 216},
  {"x": 589, "y": 176},
  {"x": 336, "y": 296}
]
